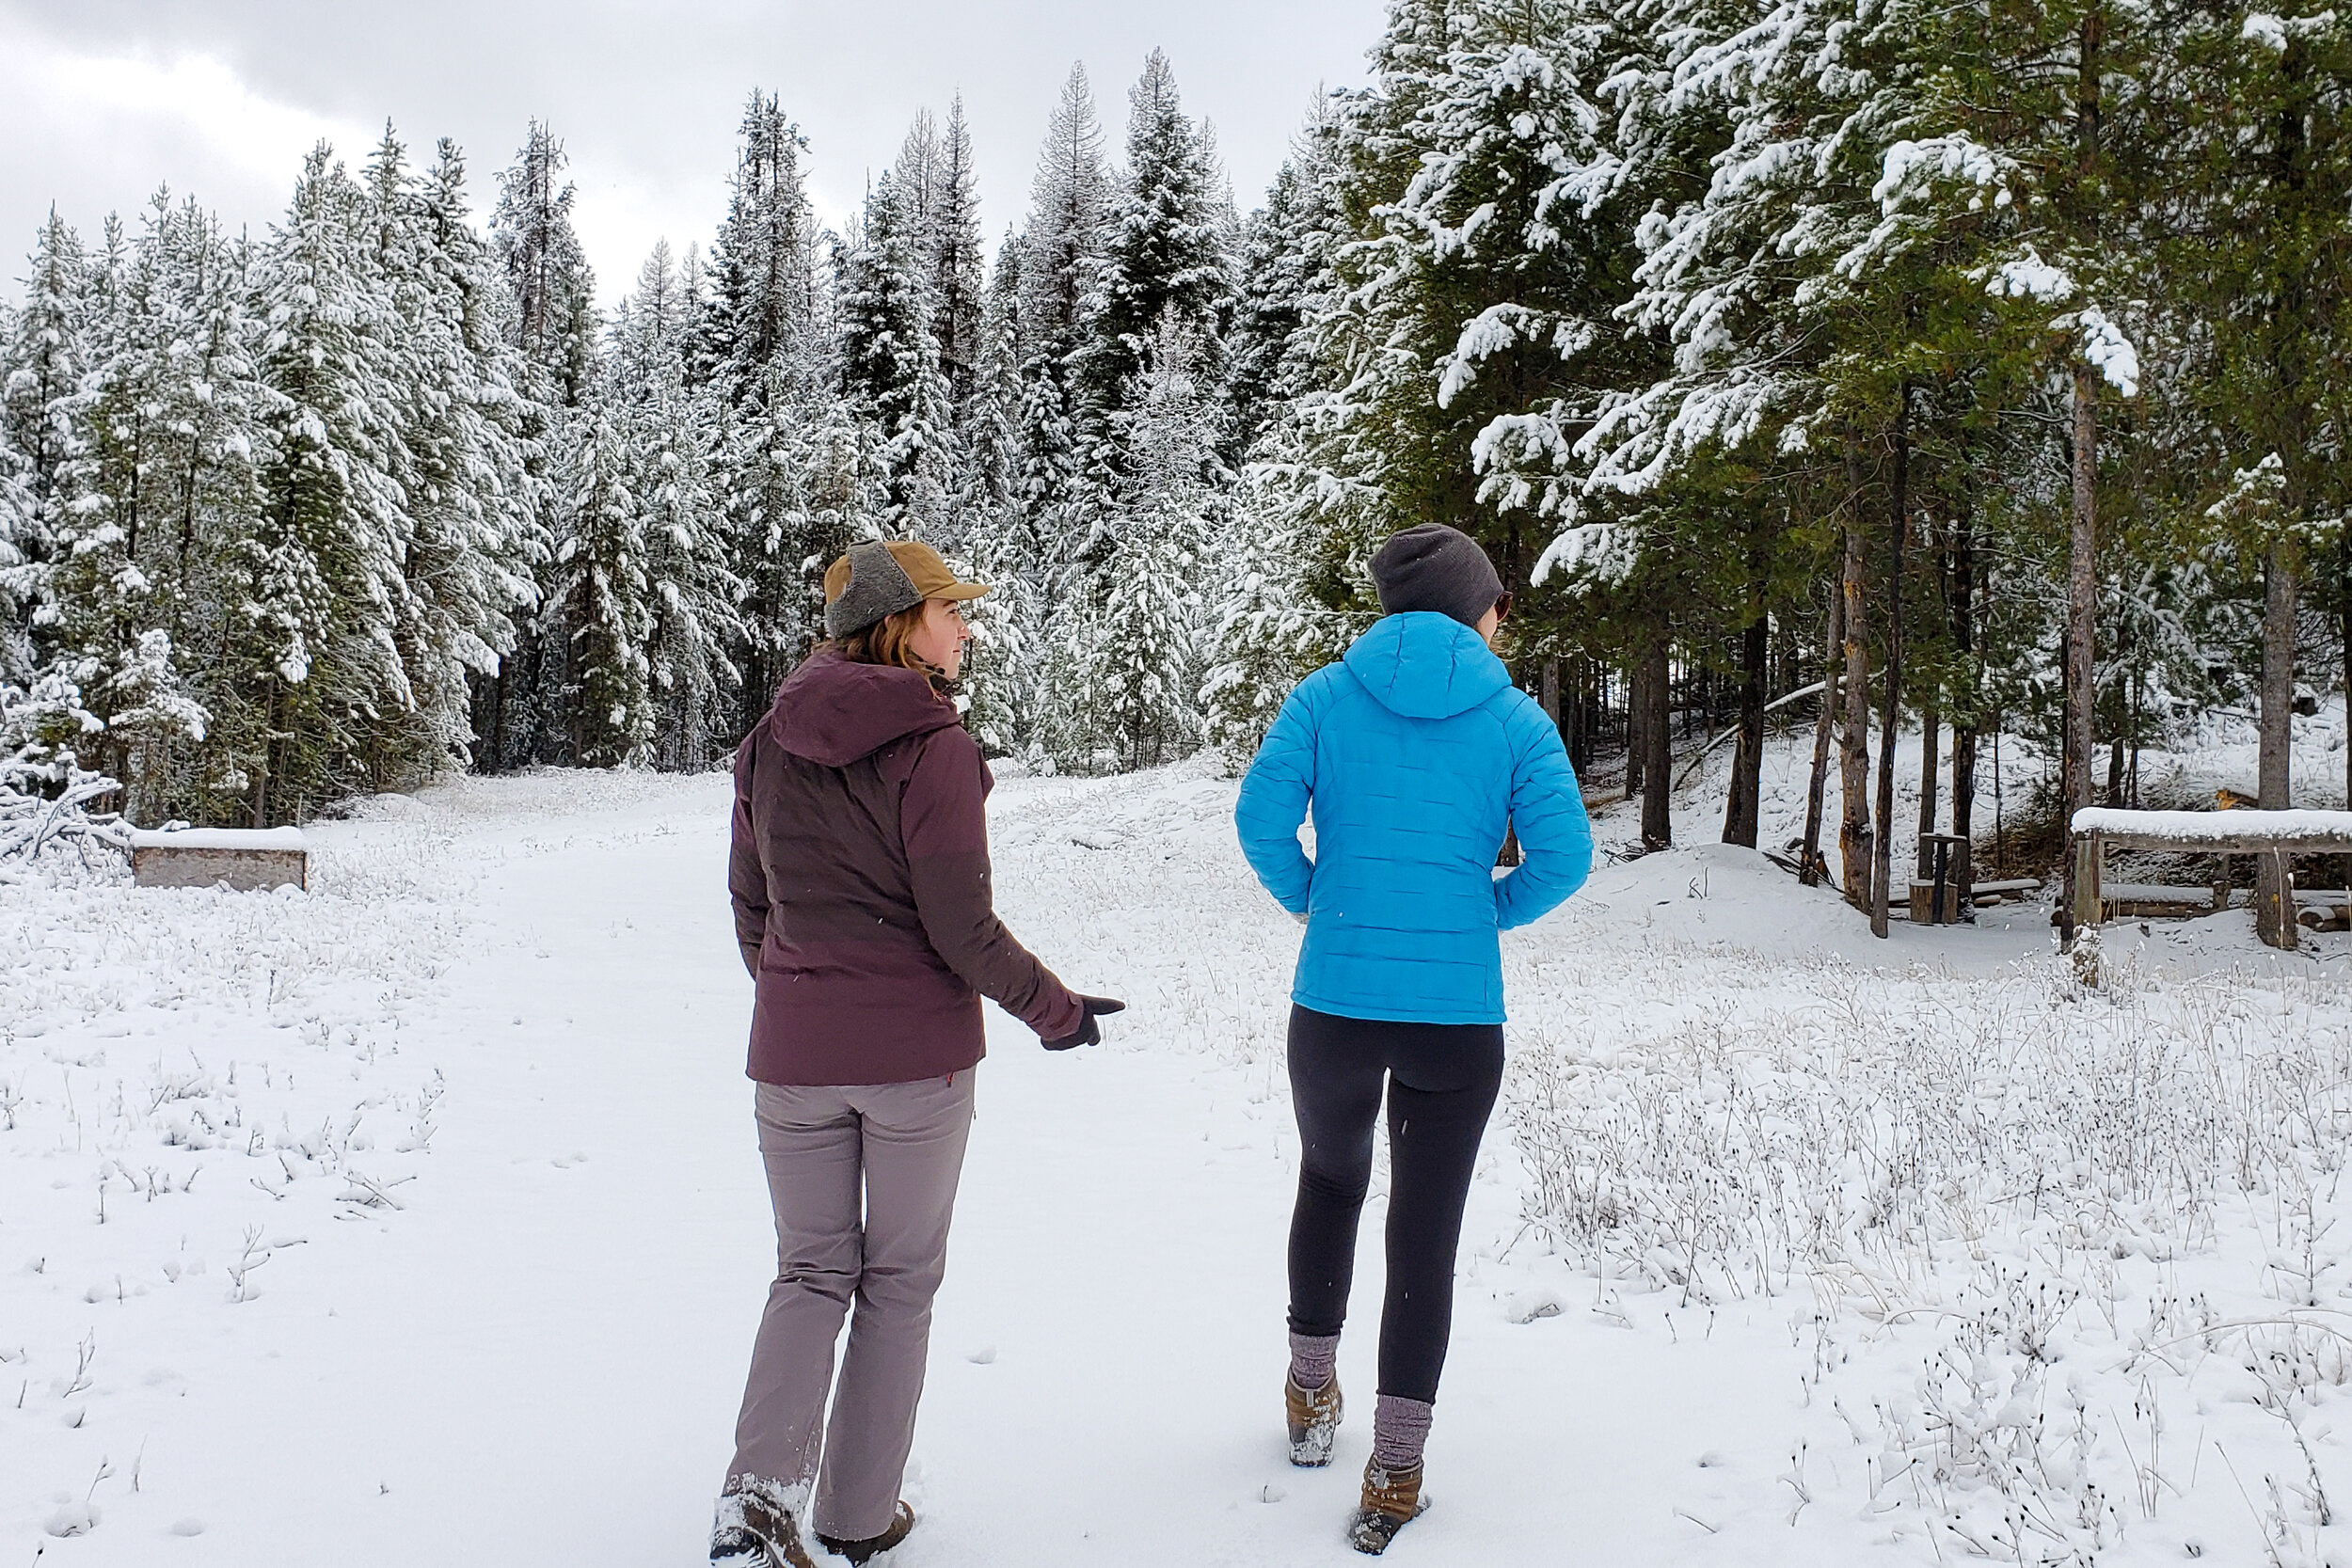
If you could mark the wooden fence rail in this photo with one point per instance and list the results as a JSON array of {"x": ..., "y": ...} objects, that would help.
[{"x": 2277, "y": 835}]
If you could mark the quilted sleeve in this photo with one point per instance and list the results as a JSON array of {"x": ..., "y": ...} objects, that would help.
[
  {"x": 747, "y": 877},
  {"x": 1547, "y": 813},
  {"x": 1274, "y": 796},
  {"x": 944, "y": 831}
]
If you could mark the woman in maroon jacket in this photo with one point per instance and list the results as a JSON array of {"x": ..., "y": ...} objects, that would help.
[{"x": 859, "y": 880}]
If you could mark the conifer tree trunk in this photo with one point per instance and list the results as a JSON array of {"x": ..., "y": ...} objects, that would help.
[
  {"x": 1833, "y": 656},
  {"x": 1930, "y": 760},
  {"x": 2081, "y": 577},
  {"x": 1636, "y": 714},
  {"x": 1881, "y": 858},
  {"x": 2274, "y": 900},
  {"x": 1964, "y": 722},
  {"x": 269, "y": 750},
  {"x": 1744, "y": 811},
  {"x": 2082, "y": 603},
  {"x": 1658, "y": 744},
  {"x": 1853, "y": 777},
  {"x": 496, "y": 737}
]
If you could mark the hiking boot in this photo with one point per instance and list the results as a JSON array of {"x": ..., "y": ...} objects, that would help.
[
  {"x": 756, "y": 1528},
  {"x": 1314, "y": 1418},
  {"x": 1392, "y": 1500},
  {"x": 873, "y": 1545}
]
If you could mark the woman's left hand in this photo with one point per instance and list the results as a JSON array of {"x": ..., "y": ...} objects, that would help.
[{"x": 1090, "y": 1030}]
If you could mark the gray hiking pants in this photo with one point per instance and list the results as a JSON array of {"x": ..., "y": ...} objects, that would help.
[{"x": 903, "y": 1145}]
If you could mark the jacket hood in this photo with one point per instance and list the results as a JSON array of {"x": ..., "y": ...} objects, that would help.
[
  {"x": 834, "y": 710},
  {"x": 1423, "y": 665}
]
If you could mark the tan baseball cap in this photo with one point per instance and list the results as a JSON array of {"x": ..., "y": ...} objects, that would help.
[{"x": 878, "y": 580}]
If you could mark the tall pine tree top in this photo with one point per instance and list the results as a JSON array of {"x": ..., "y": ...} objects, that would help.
[
  {"x": 1164, "y": 260},
  {"x": 1068, "y": 202}
]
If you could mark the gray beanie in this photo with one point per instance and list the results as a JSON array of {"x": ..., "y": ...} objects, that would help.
[
  {"x": 877, "y": 588},
  {"x": 1435, "y": 568}
]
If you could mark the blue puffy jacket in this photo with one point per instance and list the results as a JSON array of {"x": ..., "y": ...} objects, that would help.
[{"x": 1414, "y": 753}]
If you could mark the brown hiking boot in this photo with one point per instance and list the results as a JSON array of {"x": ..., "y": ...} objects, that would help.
[
  {"x": 1314, "y": 1418},
  {"x": 1392, "y": 1500},
  {"x": 873, "y": 1545},
  {"x": 756, "y": 1528}
]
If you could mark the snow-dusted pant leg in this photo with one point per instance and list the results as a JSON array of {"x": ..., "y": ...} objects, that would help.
[
  {"x": 809, "y": 1138},
  {"x": 914, "y": 1136},
  {"x": 903, "y": 1144}
]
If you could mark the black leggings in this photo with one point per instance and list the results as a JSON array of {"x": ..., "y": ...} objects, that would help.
[{"x": 1442, "y": 1081}]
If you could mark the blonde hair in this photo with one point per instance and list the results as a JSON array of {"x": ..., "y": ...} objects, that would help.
[{"x": 889, "y": 641}]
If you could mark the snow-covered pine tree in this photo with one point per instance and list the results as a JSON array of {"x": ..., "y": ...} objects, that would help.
[
  {"x": 1268, "y": 630},
  {"x": 163, "y": 422},
  {"x": 313, "y": 639},
  {"x": 762, "y": 345},
  {"x": 1001, "y": 668},
  {"x": 1146, "y": 651},
  {"x": 1164, "y": 276},
  {"x": 1164, "y": 261},
  {"x": 1283, "y": 273},
  {"x": 44, "y": 732},
  {"x": 958, "y": 262},
  {"x": 16, "y": 528},
  {"x": 890, "y": 369},
  {"x": 1061, "y": 247},
  {"x": 603, "y": 595},
  {"x": 1262, "y": 629},
  {"x": 153, "y": 722},
  {"x": 916, "y": 174},
  {"x": 46, "y": 359},
  {"x": 99, "y": 599},
  {"x": 474, "y": 539},
  {"x": 692, "y": 594},
  {"x": 1069, "y": 199},
  {"x": 551, "y": 321}
]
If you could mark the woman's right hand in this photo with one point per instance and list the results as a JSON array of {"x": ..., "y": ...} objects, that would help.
[{"x": 1089, "y": 1032}]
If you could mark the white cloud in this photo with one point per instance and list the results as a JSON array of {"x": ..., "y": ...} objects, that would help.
[
  {"x": 97, "y": 133},
  {"x": 100, "y": 100}
]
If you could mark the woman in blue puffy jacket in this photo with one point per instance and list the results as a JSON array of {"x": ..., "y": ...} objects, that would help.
[{"x": 1415, "y": 755}]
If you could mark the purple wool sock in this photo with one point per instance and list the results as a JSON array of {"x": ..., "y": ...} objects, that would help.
[
  {"x": 1400, "y": 1427},
  {"x": 1314, "y": 1357}
]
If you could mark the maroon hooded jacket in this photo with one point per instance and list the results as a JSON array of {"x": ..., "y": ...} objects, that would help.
[{"x": 861, "y": 885}]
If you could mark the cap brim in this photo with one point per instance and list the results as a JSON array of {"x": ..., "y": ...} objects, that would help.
[{"x": 960, "y": 591}]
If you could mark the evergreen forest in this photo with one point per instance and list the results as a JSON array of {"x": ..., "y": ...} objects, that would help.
[{"x": 1886, "y": 368}]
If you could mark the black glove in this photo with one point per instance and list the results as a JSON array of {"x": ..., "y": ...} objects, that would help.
[{"x": 1089, "y": 1032}]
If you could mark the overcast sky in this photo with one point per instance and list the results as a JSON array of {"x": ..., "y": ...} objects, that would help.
[{"x": 100, "y": 100}]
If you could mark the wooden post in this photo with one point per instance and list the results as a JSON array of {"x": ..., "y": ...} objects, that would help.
[
  {"x": 2273, "y": 902},
  {"x": 2089, "y": 855}
]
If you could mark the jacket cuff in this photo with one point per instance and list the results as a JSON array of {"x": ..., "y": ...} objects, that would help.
[{"x": 1061, "y": 1018}]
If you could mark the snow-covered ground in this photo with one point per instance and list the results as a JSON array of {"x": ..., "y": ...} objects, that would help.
[{"x": 418, "y": 1218}]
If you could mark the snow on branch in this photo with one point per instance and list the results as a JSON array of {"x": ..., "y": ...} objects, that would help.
[
  {"x": 2274, "y": 32},
  {"x": 2028, "y": 276},
  {"x": 1910, "y": 166},
  {"x": 2110, "y": 352},
  {"x": 45, "y": 792},
  {"x": 1601, "y": 553}
]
